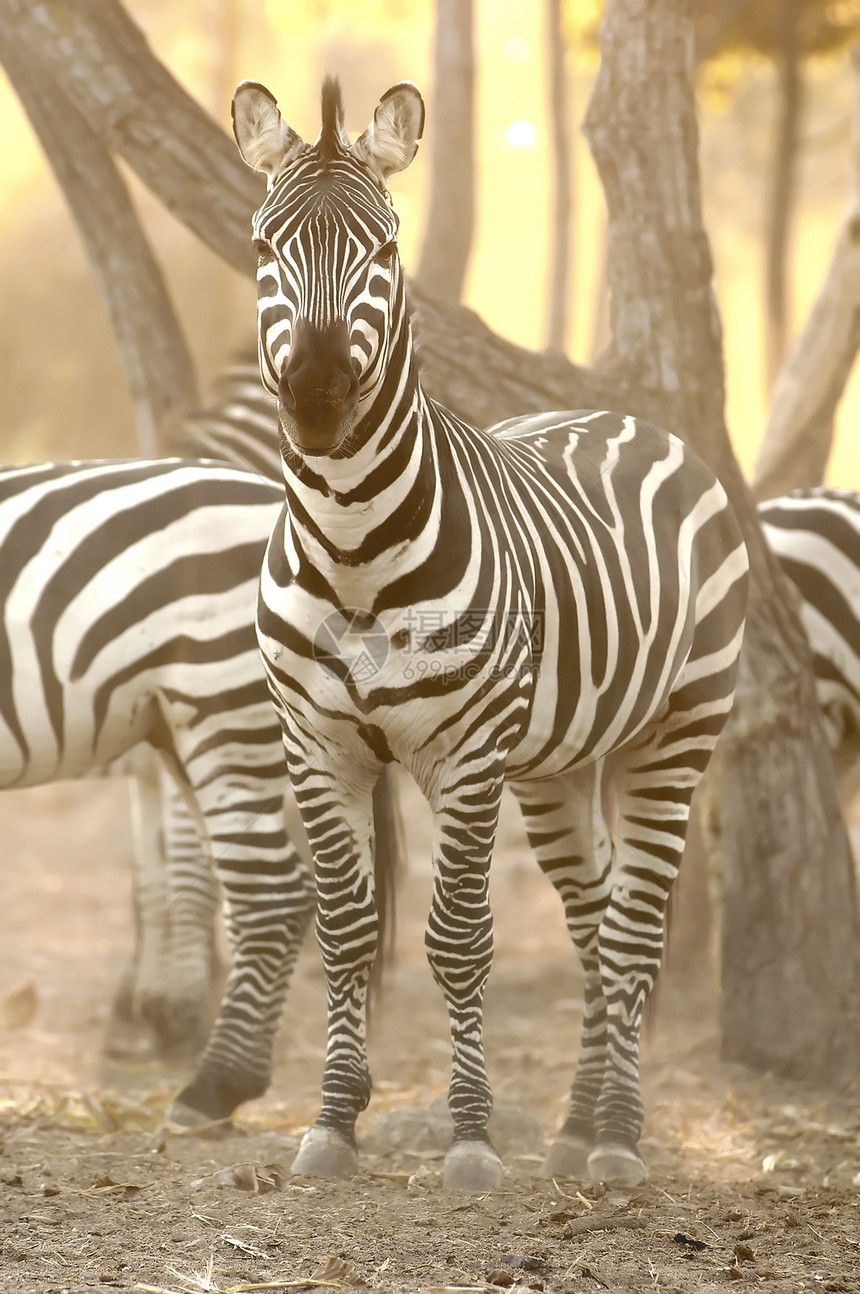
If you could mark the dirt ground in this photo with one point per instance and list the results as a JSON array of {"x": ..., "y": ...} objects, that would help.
[{"x": 752, "y": 1180}]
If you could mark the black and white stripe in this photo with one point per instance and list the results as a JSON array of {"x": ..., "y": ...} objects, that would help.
[
  {"x": 238, "y": 425},
  {"x": 556, "y": 602},
  {"x": 127, "y": 592},
  {"x": 816, "y": 536}
]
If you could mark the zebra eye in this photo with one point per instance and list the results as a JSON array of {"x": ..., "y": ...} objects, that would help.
[
  {"x": 264, "y": 251},
  {"x": 386, "y": 252}
]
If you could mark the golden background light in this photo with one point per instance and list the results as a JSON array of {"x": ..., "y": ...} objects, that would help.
[{"x": 64, "y": 393}]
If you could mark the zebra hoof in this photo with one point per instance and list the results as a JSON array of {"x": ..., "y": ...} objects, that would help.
[
  {"x": 325, "y": 1153},
  {"x": 472, "y": 1166},
  {"x": 567, "y": 1157},
  {"x": 613, "y": 1163}
]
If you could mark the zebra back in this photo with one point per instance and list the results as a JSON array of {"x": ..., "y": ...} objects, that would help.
[{"x": 239, "y": 425}]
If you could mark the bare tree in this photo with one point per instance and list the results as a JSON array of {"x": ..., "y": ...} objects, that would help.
[
  {"x": 158, "y": 365},
  {"x": 790, "y": 933},
  {"x": 449, "y": 227},
  {"x": 810, "y": 383}
]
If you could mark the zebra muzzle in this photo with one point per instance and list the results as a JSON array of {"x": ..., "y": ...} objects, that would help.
[{"x": 318, "y": 389}]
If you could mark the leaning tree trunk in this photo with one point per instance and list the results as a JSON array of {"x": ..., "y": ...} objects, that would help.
[
  {"x": 790, "y": 931},
  {"x": 157, "y": 362},
  {"x": 102, "y": 62},
  {"x": 782, "y": 183},
  {"x": 799, "y": 430},
  {"x": 450, "y": 219},
  {"x": 561, "y": 238}
]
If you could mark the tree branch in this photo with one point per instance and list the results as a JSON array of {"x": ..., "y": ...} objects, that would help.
[
  {"x": 799, "y": 431},
  {"x": 789, "y": 981},
  {"x": 152, "y": 347},
  {"x": 101, "y": 61}
]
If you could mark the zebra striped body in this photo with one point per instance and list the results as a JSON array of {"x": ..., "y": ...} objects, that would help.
[
  {"x": 553, "y": 602},
  {"x": 164, "y": 1003},
  {"x": 127, "y": 616},
  {"x": 816, "y": 536}
]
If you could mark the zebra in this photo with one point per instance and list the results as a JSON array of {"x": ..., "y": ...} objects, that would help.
[
  {"x": 163, "y": 1005},
  {"x": 127, "y": 594},
  {"x": 238, "y": 425},
  {"x": 554, "y": 602},
  {"x": 815, "y": 533}
]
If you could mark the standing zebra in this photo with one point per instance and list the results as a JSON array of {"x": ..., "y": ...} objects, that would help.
[
  {"x": 127, "y": 596},
  {"x": 554, "y": 602}
]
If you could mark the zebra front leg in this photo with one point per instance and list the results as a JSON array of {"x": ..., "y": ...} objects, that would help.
[
  {"x": 459, "y": 944},
  {"x": 567, "y": 829},
  {"x": 340, "y": 830}
]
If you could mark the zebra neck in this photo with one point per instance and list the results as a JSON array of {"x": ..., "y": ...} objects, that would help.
[{"x": 365, "y": 509}]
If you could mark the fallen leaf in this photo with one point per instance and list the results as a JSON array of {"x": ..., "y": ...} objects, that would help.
[
  {"x": 107, "y": 1186},
  {"x": 256, "y": 1178},
  {"x": 251, "y": 1250},
  {"x": 681, "y": 1239},
  {"x": 338, "y": 1271}
]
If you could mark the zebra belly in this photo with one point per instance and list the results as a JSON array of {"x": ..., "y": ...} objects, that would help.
[{"x": 46, "y": 754}]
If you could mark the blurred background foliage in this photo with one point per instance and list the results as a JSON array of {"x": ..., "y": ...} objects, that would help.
[{"x": 63, "y": 391}]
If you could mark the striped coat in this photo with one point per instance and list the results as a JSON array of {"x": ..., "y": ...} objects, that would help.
[{"x": 553, "y": 603}]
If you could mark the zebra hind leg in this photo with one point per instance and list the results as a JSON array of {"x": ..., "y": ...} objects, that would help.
[
  {"x": 572, "y": 842},
  {"x": 655, "y": 787}
]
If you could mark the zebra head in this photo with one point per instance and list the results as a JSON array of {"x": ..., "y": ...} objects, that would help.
[{"x": 329, "y": 282}]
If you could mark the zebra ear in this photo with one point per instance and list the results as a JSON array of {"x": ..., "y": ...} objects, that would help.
[
  {"x": 265, "y": 140},
  {"x": 391, "y": 140}
]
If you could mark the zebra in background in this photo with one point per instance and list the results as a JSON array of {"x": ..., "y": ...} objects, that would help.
[
  {"x": 816, "y": 536},
  {"x": 552, "y": 602},
  {"x": 238, "y": 426},
  {"x": 167, "y": 995},
  {"x": 127, "y": 596},
  {"x": 164, "y": 1003}
]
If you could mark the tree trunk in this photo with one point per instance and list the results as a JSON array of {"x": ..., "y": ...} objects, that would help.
[
  {"x": 158, "y": 365},
  {"x": 789, "y": 969},
  {"x": 483, "y": 377},
  {"x": 811, "y": 381},
  {"x": 102, "y": 62},
  {"x": 559, "y": 294},
  {"x": 781, "y": 206},
  {"x": 450, "y": 219}
]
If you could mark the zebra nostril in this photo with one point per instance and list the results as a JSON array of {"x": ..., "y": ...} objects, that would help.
[{"x": 285, "y": 396}]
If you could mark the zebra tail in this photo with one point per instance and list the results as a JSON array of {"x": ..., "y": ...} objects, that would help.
[{"x": 389, "y": 862}]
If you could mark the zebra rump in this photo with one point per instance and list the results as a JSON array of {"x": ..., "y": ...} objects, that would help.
[{"x": 128, "y": 591}]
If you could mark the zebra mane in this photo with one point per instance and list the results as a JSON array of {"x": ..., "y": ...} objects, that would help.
[{"x": 332, "y": 140}]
